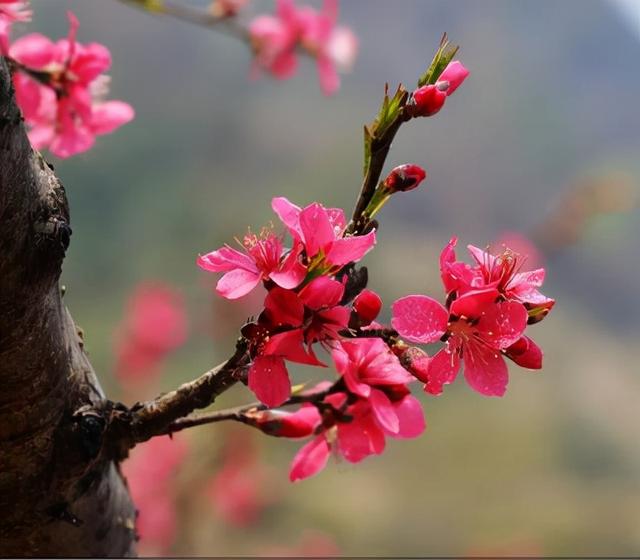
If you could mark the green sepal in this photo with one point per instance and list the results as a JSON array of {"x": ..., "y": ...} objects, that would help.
[{"x": 444, "y": 55}]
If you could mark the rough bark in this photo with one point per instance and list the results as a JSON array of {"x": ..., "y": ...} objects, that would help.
[{"x": 59, "y": 496}]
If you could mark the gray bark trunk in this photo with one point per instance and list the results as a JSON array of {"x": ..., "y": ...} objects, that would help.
[{"x": 58, "y": 495}]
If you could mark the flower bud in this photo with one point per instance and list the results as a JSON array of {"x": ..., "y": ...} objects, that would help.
[
  {"x": 367, "y": 305},
  {"x": 279, "y": 423},
  {"x": 404, "y": 178},
  {"x": 416, "y": 361},
  {"x": 454, "y": 74},
  {"x": 428, "y": 100}
]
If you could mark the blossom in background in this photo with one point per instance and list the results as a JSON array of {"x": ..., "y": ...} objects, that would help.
[
  {"x": 11, "y": 11},
  {"x": 149, "y": 472},
  {"x": 154, "y": 325},
  {"x": 60, "y": 88},
  {"x": 429, "y": 99},
  {"x": 332, "y": 46},
  {"x": 489, "y": 307},
  {"x": 276, "y": 38},
  {"x": 237, "y": 491}
]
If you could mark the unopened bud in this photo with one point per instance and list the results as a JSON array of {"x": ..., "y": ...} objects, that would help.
[
  {"x": 279, "y": 423},
  {"x": 428, "y": 100},
  {"x": 453, "y": 75},
  {"x": 367, "y": 305},
  {"x": 416, "y": 361},
  {"x": 404, "y": 178}
]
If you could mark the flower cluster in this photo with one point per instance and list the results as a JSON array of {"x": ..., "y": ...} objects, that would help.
[
  {"x": 61, "y": 87},
  {"x": 487, "y": 310},
  {"x": 317, "y": 298},
  {"x": 276, "y": 38}
]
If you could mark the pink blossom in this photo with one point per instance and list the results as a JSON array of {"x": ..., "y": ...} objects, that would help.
[
  {"x": 280, "y": 423},
  {"x": 290, "y": 322},
  {"x": 359, "y": 431},
  {"x": 149, "y": 472},
  {"x": 476, "y": 330},
  {"x": 155, "y": 325},
  {"x": 274, "y": 40},
  {"x": 227, "y": 8},
  {"x": 11, "y": 11},
  {"x": 333, "y": 47},
  {"x": 264, "y": 258},
  {"x": 67, "y": 111},
  {"x": 237, "y": 491},
  {"x": 430, "y": 98},
  {"x": 322, "y": 232}
]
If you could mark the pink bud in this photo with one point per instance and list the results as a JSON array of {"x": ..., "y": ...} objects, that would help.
[
  {"x": 428, "y": 100},
  {"x": 404, "y": 178},
  {"x": 367, "y": 305},
  {"x": 297, "y": 424},
  {"x": 455, "y": 73},
  {"x": 416, "y": 361}
]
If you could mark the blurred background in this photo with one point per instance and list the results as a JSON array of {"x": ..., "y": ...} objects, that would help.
[{"x": 541, "y": 141}]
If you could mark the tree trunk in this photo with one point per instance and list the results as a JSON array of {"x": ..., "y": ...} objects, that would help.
[{"x": 58, "y": 495}]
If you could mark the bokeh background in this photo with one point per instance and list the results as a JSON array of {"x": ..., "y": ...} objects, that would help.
[{"x": 542, "y": 140}]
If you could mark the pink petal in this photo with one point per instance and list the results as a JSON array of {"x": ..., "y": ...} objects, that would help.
[
  {"x": 410, "y": 417},
  {"x": 310, "y": 459},
  {"x": 348, "y": 368},
  {"x": 485, "y": 370},
  {"x": 473, "y": 303},
  {"x": 532, "y": 278},
  {"x": 288, "y": 213},
  {"x": 72, "y": 139},
  {"x": 348, "y": 249},
  {"x": 503, "y": 323},
  {"x": 285, "y": 65},
  {"x": 292, "y": 272},
  {"x": 317, "y": 231},
  {"x": 360, "y": 438},
  {"x": 90, "y": 61},
  {"x": 269, "y": 380},
  {"x": 485, "y": 260},
  {"x": 526, "y": 353},
  {"x": 33, "y": 50},
  {"x": 237, "y": 283},
  {"x": 290, "y": 345},
  {"x": 41, "y": 136},
  {"x": 106, "y": 117},
  {"x": 328, "y": 75},
  {"x": 419, "y": 318},
  {"x": 29, "y": 95},
  {"x": 384, "y": 412},
  {"x": 443, "y": 369},
  {"x": 284, "y": 307},
  {"x": 455, "y": 73},
  {"x": 226, "y": 259},
  {"x": 322, "y": 292}
]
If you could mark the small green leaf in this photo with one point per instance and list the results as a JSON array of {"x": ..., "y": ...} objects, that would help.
[
  {"x": 368, "y": 138},
  {"x": 444, "y": 55}
]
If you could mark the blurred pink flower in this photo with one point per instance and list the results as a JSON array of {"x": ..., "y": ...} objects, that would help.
[
  {"x": 154, "y": 325},
  {"x": 430, "y": 98},
  {"x": 237, "y": 490},
  {"x": 65, "y": 108},
  {"x": 149, "y": 471},
  {"x": 275, "y": 39},
  {"x": 10, "y": 12}
]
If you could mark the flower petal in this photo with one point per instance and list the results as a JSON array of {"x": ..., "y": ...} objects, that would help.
[
  {"x": 317, "y": 231},
  {"x": 269, "y": 380},
  {"x": 384, "y": 412},
  {"x": 310, "y": 459},
  {"x": 419, "y": 318},
  {"x": 485, "y": 370},
  {"x": 473, "y": 303},
  {"x": 322, "y": 292},
  {"x": 410, "y": 417},
  {"x": 284, "y": 307},
  {"x": 237, "y": 283},
  {"x": 348, "y": 249},
  {"x": 106, "y": 117},
  {"x": 225, "y": 259},
  {"x": 288, "y": 213},
  {"x": 443, "y": 369},
  {"x": 503, "y": 323}
]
